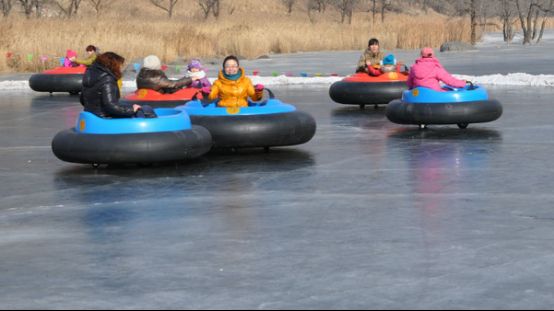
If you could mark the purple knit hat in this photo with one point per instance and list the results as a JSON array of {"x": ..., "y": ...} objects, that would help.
[{"x": 195, "y": 63}]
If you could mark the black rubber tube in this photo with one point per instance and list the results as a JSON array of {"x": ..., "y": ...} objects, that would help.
[
  {"x": 443, "y": 113},
  {"x": 71, "y": 146},
  {"x": 267, "y": 130},
  {"x": 71, "y": 83},
  {"x": 366, "y": 93}
]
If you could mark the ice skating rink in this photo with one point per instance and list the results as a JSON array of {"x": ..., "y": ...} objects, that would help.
[{"x": 368, "y": 214}]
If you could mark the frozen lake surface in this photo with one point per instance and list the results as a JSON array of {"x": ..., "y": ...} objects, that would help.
[{"x": 367, "y": 215}]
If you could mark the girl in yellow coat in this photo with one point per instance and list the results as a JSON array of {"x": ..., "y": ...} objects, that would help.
[{"x": 232, "y": 87}]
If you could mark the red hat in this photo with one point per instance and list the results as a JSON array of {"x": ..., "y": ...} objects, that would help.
[
  {"x": 427, "y": 52},
  {"x": 70, "y": 53}
]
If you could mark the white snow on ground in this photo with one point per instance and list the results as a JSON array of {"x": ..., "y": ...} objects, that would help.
[
  {"x": 512, "y": 79},
  {"x": 519, "y": 79}
]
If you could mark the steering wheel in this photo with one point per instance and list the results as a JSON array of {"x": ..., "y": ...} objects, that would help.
[
  {"x": 471, "y": 86},
  {"x": 263, "y": 103},
  {"x": 206, "y": 102}
]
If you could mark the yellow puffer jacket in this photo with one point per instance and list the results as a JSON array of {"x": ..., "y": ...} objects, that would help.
[{"x": 234, "y": 93}]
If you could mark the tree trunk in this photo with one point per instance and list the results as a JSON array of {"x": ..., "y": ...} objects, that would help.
[
  {"x": 543, "y": 25},
  {"x": 27, "y": 7},
  {"x": 384, "y": 7},
  {"x": 6, "y": 7},
  {"x": 288, "y": 4},
  {"x": 524, "y": 25},
  {"x": 215, "y": 9},
  {"x": 507, "y": 29},
  {"x": 38, "y": 8},
  {"x": 169, "y": 8},
  {"x": 535, "y": 24},
  {"x": 473, "y": 19},
  {"x": 373, "y": 10}
]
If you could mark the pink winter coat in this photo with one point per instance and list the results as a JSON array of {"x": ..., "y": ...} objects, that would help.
[
  {"x": 427, "y": 72},
  {"x": 68, "y": 55}
]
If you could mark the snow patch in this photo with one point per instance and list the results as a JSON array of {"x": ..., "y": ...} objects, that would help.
[{"x": 511, "y": 79}]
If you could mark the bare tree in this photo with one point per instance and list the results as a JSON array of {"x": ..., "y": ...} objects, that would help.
[
  {"x": 317, "y": 5},
  {"x": 205, "y": 6},
  {"x": 27, "y": 7},
  {"x": 38, "y": 7},
  {"x": 6, "y": 6},
  {"x": 68, "y": 8},
  {"x": 215, "y": 9},
  {"x": 484, "y": 14},
  {"x": 385, "y": 5},
  {"x": 288, "y": 5},
  {"x": 424, "y": 5},
  {"x": 346, "y": 8},
  {"x": 529, "y": 12},
  {"x": 373, "y": 10},
  {"x": 210, "y": 6},
  {"x": 100, "y": 5},
  {"x": 507, "y": 15},
  {"x": 473, "y": 21},
  {"x": 169, "y": 7},
  {"x": 31, "y": 5},
  {"x": 547, "y": 11}
]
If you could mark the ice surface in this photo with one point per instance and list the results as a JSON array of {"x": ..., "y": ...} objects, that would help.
[{"x": 367, "y": 215}]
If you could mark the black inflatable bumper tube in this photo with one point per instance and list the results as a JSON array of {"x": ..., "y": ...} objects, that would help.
[
  {"x": 443, "y": 113},
  {"x": 154, "y": 103},
  {"x": 366, "y": 93},
  {"x": 71, "y": 83},
  {"x": 266, "y": 130},
  {"x": 71, "y": 146}
]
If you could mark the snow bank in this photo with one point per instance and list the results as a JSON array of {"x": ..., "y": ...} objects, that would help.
[{"x": 512, "y": 79}]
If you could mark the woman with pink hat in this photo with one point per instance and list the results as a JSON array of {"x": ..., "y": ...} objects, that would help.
[{"x": 428, "y": 72}]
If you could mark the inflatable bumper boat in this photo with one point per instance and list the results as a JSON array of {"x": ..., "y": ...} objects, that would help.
[
  {"x": 422, "y": 106},
  {"x": 95, "y": 140}
]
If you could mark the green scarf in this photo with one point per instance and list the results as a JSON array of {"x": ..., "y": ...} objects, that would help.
[{"x": 234, "y": 77}]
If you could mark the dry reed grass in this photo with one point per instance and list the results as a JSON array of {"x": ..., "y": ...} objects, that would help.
[{"x": 135, "y": 34}]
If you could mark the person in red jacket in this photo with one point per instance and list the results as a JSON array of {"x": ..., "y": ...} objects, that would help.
[{"x": 428, "y": 72}]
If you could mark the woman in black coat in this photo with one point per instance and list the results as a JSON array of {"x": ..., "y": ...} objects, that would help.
[{"x": 101, "y": 94}]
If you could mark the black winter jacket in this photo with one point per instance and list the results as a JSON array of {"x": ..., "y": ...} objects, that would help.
[
  {"x": 157, "y": 80},
  {"x": 100, "y": 94}
]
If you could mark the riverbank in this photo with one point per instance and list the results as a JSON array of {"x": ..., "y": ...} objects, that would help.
[
  {"x": 492, "y": 62},
  {"x": 249, "y": 36}
]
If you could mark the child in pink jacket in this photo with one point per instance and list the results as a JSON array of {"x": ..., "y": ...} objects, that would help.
[
  {"x": 67, "y": 60},
  {"x": 428, "y": 72}
]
